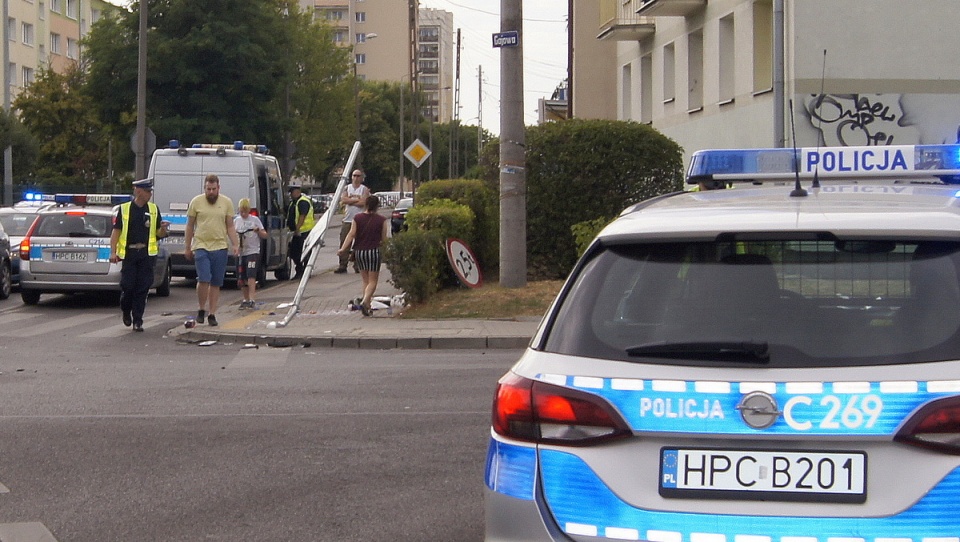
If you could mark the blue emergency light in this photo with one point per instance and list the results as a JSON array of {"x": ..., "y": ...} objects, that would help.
[{"x": 827, "y": 163}]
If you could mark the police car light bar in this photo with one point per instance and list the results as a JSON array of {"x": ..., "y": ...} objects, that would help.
[
  {"x": 829, "y": 163},
  {"x": 236, "y": 145},
  {"x": 88, "y": 199}
]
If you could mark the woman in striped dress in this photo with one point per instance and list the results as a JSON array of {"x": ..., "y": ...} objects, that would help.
[{"x": 367, "y": 233}]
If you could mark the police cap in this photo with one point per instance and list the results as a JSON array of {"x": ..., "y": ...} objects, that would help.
[
  {"x": 146, "y": 184},
  {"x": 293, "y": 186}
]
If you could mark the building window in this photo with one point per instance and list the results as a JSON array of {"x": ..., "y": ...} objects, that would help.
[
  {"x": 27, "y": 76},
  {"x": 361, "y": 16},
  {"x": 55, "y": 47},
  {"x": 42, "y": 12},
  {"x": 727, "y": 64},
  {"x": 360, "y": 58},
  {"x": 646, "y": 89},
  {"x": 361, "y": 37},
  {"x": 55, "y": 6},
  {"x": 429, "y": 66},
  {"x": 95, "y": 15},
  {"x": 73, "y": 9},
  {"x": 430, "y": 34},
  {"x": 73, "y": 48},
  {"x": 762, "y": 45},
  {"x": 28, "y": 34},
  {"x": 11, "y": 29},
  {"x": 334, "y": 15},
  {"x": 669, "y": 73},
  {"x": 695, "y": 71},
  {"x": 626, "y": 92},
  {"x": 12, "y": 73},
  {"x": 339, "y": 36},
  {"x": 429, "y": 50}
]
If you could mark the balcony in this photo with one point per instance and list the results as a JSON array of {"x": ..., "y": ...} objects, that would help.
[
  {"x": 670, "y": 8},
  {"x": 619, "y": 22}
]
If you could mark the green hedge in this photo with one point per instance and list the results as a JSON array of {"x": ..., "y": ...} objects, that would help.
[
  {"x": 417, "y": 258},
  {"x": 582, "y": 170},
  {"x": 484, "y": 203}
]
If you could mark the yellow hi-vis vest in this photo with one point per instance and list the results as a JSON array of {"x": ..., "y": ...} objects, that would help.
[
  {"x": 152, "y": 247},
  {"x": 309, "y": 221}
]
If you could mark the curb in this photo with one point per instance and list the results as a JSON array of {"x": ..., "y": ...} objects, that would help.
[{"x": 354, "y": 342}]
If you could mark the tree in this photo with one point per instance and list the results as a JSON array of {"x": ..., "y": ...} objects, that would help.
[
  {"x": 57, "y": 113},
  {"x": 218, "y": 71},
  {"x": 25, "y": 148}
]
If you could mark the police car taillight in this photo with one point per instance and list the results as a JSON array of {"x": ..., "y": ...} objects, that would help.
[
  {"x": 535, "y": 411},
  {"x": 25, "y": 243},
  {"x": 936, "y": 426}
]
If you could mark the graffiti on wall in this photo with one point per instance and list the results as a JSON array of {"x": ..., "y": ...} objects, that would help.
[{"x": 882, "y": 119}]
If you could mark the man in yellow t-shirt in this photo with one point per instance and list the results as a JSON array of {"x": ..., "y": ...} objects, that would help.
[{"x": 209, "y": 234}]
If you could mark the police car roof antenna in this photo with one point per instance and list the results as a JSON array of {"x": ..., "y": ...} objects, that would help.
[
  {"x": 823, "y": 77},
  {"x": 798, "y": 191}
]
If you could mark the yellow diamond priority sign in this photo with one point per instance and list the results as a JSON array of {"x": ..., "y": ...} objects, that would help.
[{"x": 417, "y": 153}]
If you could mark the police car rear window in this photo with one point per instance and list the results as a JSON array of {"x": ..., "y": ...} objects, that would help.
[
  {"x": 773, "y": 303},
  {"x": 74, "y": 225}
]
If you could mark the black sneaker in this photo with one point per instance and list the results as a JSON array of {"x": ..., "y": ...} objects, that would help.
[
  {"x": 212, "y": 320},
  {"x": 201, "y": 315},
  {"x": 127, "y": 319},
  {"x": 340, "y": 270},
  {"x": 138, "y": 326}
]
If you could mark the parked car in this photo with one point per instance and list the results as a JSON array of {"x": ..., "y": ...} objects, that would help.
[
  {"x": 67, "y": 250},
  {"x": 321, "y": 203},
  {"x": 16, "y": 221},
  {"x": 773, "y": 361},
  {"x": 6, "y": 274},
  {"x": 398, "y": 216},
  {"x": 388, "y": 199}
]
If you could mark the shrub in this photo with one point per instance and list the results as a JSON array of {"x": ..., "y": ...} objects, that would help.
[
  {"x": 417, "y": 258},
  {"x": 582, "y": 170},
  {"x": 484, "y": 203},
  {"x": 584, "y": 232}
]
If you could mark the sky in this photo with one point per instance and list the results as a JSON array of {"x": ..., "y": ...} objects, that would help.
[{"x": 544, "y": 54}]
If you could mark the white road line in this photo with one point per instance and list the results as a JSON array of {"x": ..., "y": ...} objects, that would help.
[
  {"x": 15, "y": 318},
  {"x": 55, "y": 325},
  {"x": 260, "y": 358},
  {"x": 119, "y": 329},
  {"x": 25, "y": 532}
]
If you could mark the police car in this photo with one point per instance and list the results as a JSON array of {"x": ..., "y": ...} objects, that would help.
[
  {"x": 774, "y": 362},
  {"x": 16, "y": 220},
  {"x": 67, "y": 249}
]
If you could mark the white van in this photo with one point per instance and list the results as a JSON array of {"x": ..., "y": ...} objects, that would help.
[{"x": 245, "y": 171}]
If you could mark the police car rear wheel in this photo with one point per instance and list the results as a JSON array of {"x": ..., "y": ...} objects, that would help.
[
  {"x": 163, "y": 290},
  {"x": 6, "y": 280},
  {"x": 30, "y": 297}
]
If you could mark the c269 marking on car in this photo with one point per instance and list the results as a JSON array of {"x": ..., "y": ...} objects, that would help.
[{"x": 851, "y": 412}]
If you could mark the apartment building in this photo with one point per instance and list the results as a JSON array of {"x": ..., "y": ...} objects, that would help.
[
  {"x": 380, "y": 35},
  {"x": 704, "y": 72},
  {"x": 45, "y": 34}
]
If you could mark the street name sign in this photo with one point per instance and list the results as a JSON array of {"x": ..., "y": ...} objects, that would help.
[{"x": 510, "y": 38}]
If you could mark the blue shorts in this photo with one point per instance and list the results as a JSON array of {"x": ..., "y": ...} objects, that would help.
[{"x": 211, "y": 266}]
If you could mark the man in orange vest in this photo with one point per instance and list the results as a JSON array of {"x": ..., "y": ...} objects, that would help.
[{"x": 136, "y": 228}]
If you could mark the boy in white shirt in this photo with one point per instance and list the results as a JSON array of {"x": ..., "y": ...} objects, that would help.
[{"x": 250, "y": 230}]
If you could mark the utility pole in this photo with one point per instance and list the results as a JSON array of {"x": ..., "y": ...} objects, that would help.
[
  {"x": 479, "y": 112},
  {"x": 8, "y": 150},
  {"x": 513, "y": 172},
  {"x": 453, "y": 158},
  {"x": 141, "y": 135},
  {"x": 779, "y": 130},
  {"x": 569, "y": 59}
]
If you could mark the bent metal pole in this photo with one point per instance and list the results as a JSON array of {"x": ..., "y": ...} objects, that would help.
[{"x": 316, "y": 235}]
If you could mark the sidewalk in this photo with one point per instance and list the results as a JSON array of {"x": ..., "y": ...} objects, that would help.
[{"x": 325, "y": 318}]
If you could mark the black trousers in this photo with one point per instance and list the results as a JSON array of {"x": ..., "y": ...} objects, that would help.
[
  {"x": 296, "y": 252},
  {"x": 136, "y": 277}
]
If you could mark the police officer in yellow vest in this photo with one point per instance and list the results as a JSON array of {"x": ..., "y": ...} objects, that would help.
[
  {"x": 136, "y": 228},
  {"x": 300, "y": 221}
]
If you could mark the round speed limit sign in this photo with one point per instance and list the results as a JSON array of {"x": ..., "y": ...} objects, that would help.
[{"x": 464, "y": 263}]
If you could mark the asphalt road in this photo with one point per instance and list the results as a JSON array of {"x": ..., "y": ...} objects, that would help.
[{"x": 109, "y": 435}]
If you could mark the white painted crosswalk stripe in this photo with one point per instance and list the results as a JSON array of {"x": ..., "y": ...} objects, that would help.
[
  {"x": 120, "y": 330},
  {"x": 33, "y": 531},
  {"x": 58, "y": 324}
]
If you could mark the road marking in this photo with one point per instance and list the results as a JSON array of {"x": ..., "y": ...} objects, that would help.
[
  {"x": 260, "y": 358},
  {"x": 4, "y": 489},
  {"x": 119, "y": 329},
  {"x": 25, "y": 532},
  {"x": 15, "y": 318},
  {"x": 56, "y": 325}
]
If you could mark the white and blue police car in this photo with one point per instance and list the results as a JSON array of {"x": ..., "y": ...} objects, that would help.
[{"x": 774, "y": 362}]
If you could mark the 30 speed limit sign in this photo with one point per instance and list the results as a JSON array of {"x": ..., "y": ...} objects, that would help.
[{"x": 464, "y": 263}]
